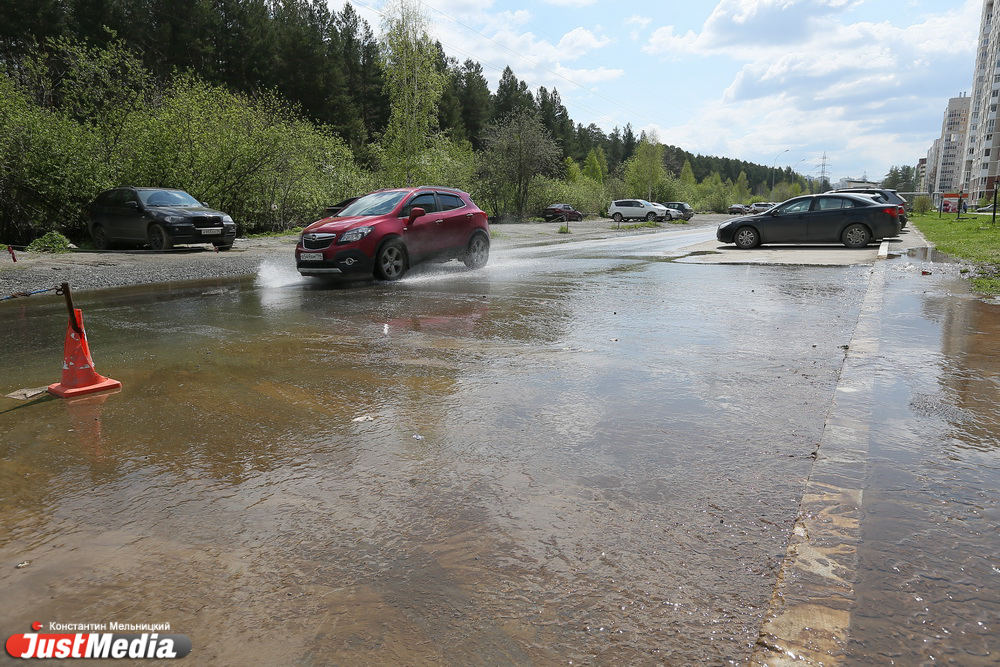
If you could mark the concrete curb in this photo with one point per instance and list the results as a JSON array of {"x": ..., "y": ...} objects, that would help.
[{"x": 809, "y": 616}]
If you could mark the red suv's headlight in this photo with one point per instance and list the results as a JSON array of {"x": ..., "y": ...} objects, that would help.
[{"x": 356, "y": 234}]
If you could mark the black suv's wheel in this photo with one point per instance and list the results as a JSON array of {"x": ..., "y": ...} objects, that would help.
[
  {"x": 746, "y": 238},
  {"x": 158, "y": 237},
  {"x": 856, "y": 236},
  {"x": 390, "y": 260},
  {"x": 478, "y": 252},
  {"x": 101, "y": 239}
]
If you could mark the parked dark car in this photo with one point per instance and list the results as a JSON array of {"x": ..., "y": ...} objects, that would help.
[
  {"x": 671, "y": 213},
  {"x": 686, "y": 211},
  {"x": 387, "y": 231},
  {"x": 333, "y": 211},
  {"x": 738, "y": 209},
  {"x": 886, "y": 195},
  {"x": 561, "y": 213},
  {"x": 159, "y": 217},
  {"x": 854, "y": 220}
]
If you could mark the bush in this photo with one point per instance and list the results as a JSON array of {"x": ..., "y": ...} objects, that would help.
[
  {"x": 253, "y": 158},
  {"x": 585, "y": 195},
  {"x": 49, "y": 242},
  {"x": 922, "y": 204},
  {"x": 48, "y": 167}
]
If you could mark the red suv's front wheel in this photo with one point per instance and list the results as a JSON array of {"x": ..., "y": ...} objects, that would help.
[{"x": 390, "y": 260}]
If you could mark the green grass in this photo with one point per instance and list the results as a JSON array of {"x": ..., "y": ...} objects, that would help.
[
  {"x": 638, "y": 225},
  {"x": 264, "y": 235},
  {"x": 973, "y": 238}
]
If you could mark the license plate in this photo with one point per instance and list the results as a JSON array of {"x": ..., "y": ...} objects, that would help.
[
  {"x": 216, "y": 231},
  {"x": 310, "y": 257}
]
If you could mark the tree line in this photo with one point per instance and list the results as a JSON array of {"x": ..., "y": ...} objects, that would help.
[{"x": 270, "y": 109}]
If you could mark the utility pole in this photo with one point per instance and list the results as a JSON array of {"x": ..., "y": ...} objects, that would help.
[{"x": 775, "y": 165}]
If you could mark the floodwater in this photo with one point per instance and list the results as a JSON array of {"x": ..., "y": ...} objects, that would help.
[
  {"x": 584, "y": 454},
  {"x": 929, "y": 573}
]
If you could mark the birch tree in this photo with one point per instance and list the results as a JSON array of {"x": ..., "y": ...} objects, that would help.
[{"x": 414, "y": 86}]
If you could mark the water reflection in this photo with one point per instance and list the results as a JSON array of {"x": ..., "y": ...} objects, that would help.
[{"x": 928, "y": 590}]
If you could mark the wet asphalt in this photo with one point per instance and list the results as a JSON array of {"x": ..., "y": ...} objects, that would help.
[{"x": 599, "y": 452}]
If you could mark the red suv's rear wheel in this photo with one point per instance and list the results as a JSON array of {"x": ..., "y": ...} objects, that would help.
[{"x": 478, "y": 252}]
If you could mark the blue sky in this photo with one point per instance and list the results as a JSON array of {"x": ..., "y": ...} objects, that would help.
[{"x": 768, "y": 81}]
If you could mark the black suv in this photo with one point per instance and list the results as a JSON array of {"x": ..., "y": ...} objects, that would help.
[
  {"x": 883, "y": 195},
  {"x": 159, "y": 217},
  {"x": 685, "y": 208}
]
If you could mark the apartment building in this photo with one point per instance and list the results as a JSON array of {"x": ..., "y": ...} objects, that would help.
[
  {"x": 945, "y": 159},
  {"x": 980, "y": 164}
]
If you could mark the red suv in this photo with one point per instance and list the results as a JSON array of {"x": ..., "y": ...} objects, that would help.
[{"x": 387, "y": 231}]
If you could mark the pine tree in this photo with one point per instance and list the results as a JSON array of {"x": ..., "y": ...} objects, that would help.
[{"x": 476, "y": 101}]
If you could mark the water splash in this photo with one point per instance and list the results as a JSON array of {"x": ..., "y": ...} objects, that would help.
[{"x": 275, "y": 273}]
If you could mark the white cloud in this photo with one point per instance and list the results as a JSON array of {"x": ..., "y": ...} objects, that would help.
[
  {"x": 586, "y": 77},
  {"x": 810, "y": 79},
  {"x": 638, "y": 21},
  {"x": 581, "y": 39}
]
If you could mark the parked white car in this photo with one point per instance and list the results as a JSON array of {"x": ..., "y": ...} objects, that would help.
[{"x": 636, "y": 209}]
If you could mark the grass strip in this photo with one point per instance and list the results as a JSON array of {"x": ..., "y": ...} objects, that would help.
[{"x": 971, "y": 237}]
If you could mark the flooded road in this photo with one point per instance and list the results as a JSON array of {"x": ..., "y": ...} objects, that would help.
[
  {"x": 586, "y": 453},
  {"x": 929, "y": 573}
]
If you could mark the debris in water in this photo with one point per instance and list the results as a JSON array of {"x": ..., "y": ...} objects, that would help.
[
  {"x": 363, "y": 418},
  {"x": 25, "y": 394}
]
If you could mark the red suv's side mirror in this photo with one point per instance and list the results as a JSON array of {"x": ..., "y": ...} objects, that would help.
[{"x": 416, "y": 212}]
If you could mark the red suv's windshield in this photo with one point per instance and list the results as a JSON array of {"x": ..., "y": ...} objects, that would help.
[{"x": 377, "y": 203}]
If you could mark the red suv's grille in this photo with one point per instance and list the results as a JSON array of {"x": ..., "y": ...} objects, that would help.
[{"x": 317, "y": 241}]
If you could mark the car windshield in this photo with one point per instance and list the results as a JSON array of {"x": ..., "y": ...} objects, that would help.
[
  {"x": 167, "y": 198},
  {"x": 377, "y": 203}
]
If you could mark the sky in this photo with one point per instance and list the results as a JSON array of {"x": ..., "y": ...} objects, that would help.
[{"x": 774, "y": 82}]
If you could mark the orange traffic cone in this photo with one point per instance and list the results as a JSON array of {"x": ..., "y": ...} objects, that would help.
[{"x": 78, "y": 374}]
